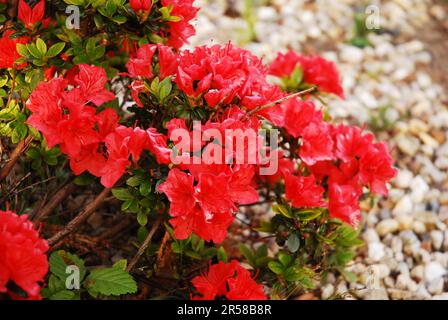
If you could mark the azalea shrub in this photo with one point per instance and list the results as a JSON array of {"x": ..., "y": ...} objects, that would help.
[{"x": 156, "y": 171}]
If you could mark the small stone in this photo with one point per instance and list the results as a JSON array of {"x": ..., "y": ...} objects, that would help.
[
  {"x": 403, "y": 207},
  {"x": 376, "y": 251},
  {"x": 352, "y": 54},
  {"x": 433, "y": 270},
  {"x": 436, "y": 239},
  {"x": 370, "y": 236},
  {"x": 423, "y": 80},
  {"x": 387, "y": 226},
  {"x": 418, "y": 227},
  {"x": 436, "y": 286},
  {"x": 419, "y": 189},
  {"x": 397, "y": 245},
  {"x": 418, "y": 272},
  {"x": 403, "y": 179},
  {"x": 375, "y": 294},
  {"x": 404, "y": 221},
  {"x": 408, "y": 145},
  {"x": 327, "y": 291}
]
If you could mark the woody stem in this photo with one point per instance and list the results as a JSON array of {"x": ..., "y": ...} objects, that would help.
[
  {"x": 80, "y": 218},
  {"x": 276, "y": 102},
  {"x": 15, "y": 155},
  {"x": 144, "y": 245}
]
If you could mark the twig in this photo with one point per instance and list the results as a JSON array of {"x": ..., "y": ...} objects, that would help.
[
  {"x": 15, "y": 155},
  {"x": 54, "y": 202},
  {"x": 161, "y": 256},
  {"x": 276, "y": 102},
  {"x": 80, "y": 218},
  {"x": 144, "y": 245},
  {"x": 15, "y": 187},
  {"x": 13, "y": 5}
]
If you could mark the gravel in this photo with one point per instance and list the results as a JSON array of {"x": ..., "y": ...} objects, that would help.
[{"x": 390, "y": 86}]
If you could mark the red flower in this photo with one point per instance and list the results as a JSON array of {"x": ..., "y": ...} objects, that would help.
[
  {"x": 141, "y": 5},
  {"x": 300, "y": 114},
  {"x": 137, "y": 86},
  {"x": 350, "y": 142},
  {"x": 344, "y": 203},
  {"x": 303, "y": 191},
  {"x": 220, "y": 73},
  {"x": 29, "y": 16},
  {"x": 241, "y": 189},
  {"x": 229, "y": 280},
  {"x": 8, "y": 51},
  {"x": 204, "y": 209},
  {"x": 168, "y": 61},
  {"x": 140, "y": 66},
  {"x": 22, "y": 254},
  {"x": 181, "y": 29},
  {"x": 316, "y": 71},
  {"x": 317, "y": 144},
  {"x": 375, "y": 168},
  {"x": 92, "y": 81}
]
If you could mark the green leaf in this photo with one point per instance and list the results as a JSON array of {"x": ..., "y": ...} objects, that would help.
[
  {"x": 41, "y": 46},
  {"x": 222, "y": 255},
  {"x": 293, "y": 242},
  {"x": 22, "y": 50},
  {"x": 135, "y": 180},
  {"x": 284, "y": 259},
  {"x": 145, "y": 188},
  {"x": 121, "y": 264},
  {"x": 55, "y": 49},
  {"x": 33, "y": 50},
  {"x": 122, "y": 194},
  {"x": 247, "y": 253},
  {"x": 110, "y": 282},
  {"x": 281, "y": 209},
  {"x": 275, "y": 267},
  {"x": 142, "y": 218},
  {"x": 60, "y": 260}
]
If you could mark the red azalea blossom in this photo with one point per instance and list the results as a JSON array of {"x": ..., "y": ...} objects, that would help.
[
  {"x": 22, "y": 255},
  {"x": 303, "y": 191},
  {"x": 375, "y": 168},
  {"x": 299, "y": 114},
  {"x": 316, "y": 71},
  {"x": 205, "y": 209},
  {"x": 141, "y": 5},
  {"x": 140, "y": 65},
  {"x": 29, "y": 16},
  {"x": 218, "y": 73},
  {"x": 229, "y": 280},
  {"x": 8, "y": 51},
  {"x": 344, "y": 203},
  {"x": 180, "y": 29},
  {"x": 317, "y": 144}
]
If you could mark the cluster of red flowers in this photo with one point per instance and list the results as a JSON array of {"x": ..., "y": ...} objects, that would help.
[
  {"x": 179, "y": 25},
  {"x": 342, "y": 157},
  {"x": 93, "y": 141},
  {"x": 22, "y": 256},
  {"x": 315, "y": 70},
  {"x": 228, "y": 280}
]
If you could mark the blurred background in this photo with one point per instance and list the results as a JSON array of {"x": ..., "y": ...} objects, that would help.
[{"x": 393, "y": 61}]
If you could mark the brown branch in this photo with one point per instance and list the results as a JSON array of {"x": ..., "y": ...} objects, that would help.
[
  {"x": 276, "y": 102},
  {"x": 161, "y": 253},
  {"x": 80, "y": 218},
  {"x": 144, "y": 245},
  {"x": 13, "y": 5},
  {"x": 15, "y": 155},
  {"x": 57, "y": 198}
]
